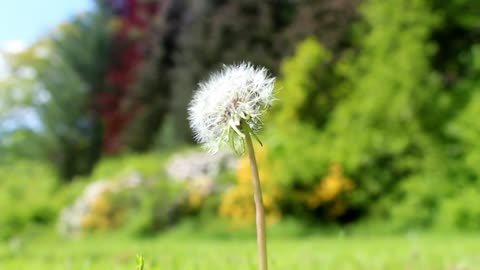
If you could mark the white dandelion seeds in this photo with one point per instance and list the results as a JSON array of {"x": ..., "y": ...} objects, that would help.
[{"x": 236, "y": 94}]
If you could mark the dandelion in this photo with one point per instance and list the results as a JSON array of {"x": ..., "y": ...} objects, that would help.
[
  {"x": 227, "y": 110},
  {"x": 237, "y": 94}
]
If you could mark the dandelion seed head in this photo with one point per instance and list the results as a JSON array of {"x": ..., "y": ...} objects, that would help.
[{"x": 237, "y": 93}]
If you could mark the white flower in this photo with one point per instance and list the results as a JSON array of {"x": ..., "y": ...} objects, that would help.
[{"x": 238, "y": 93}]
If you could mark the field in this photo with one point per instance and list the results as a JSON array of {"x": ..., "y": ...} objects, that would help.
[{"x": 309, "y": 253}]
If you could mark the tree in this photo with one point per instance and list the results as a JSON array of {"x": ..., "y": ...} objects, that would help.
[
  {"x": 150, "y": 93},
  {"x": 215, "y": 32},
  {"x": 377, "y": 132},
  {"x": 69, "y": 68}
]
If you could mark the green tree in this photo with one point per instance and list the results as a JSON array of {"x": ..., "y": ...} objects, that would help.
[
  {"x": 224, "y": 32},
  {"x": 68, "y": 70},
  {"x": 309, "y": 90},
  {"x": 464, "y": 129},
  {"x": 377, "y": 132},
  {"x": 369, "y": 110}
]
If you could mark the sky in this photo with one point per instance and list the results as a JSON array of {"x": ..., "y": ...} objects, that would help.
[{"x": 24, "y": 21}]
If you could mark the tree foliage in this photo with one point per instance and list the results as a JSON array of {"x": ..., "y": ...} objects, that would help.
[{"x": 393, "y": 120}]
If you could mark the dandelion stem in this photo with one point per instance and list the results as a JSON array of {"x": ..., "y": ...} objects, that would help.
[{"x": 260, "y": 213}]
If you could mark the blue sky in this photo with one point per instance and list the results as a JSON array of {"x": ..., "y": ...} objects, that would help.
[
  {"x": 24, "y": 21},
  {"x": 21, "y": 23}
]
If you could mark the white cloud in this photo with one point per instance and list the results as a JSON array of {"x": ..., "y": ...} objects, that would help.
[
  {"x": 14, "y": 46},
  {"x": 4, "y": 71}
]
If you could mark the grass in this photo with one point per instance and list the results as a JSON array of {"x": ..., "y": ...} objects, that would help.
[{"x": 309, "y": 253}]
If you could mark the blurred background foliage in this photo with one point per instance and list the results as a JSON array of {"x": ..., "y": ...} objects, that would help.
[{"x": 376, "y": 121}]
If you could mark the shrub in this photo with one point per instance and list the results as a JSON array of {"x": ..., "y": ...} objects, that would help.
[
  {"x": 131, "y": 192},
  {"x": 461, "y": 211},
  {"x": 237, "y": 202},
  {"x": 148, "y": 164},
  {"x": 329, "y": 192},
  {"x": 26, "y": 194},
  {"x": 155, "y": 206},
  {"x": 306, "y": 99}
]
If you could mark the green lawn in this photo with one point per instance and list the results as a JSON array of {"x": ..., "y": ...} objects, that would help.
[{"x": 389, "y": 253}]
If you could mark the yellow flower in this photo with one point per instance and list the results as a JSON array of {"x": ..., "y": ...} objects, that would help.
[
  {"x": 237, "y": 204},
  {"x": 330, "y": 188},
  {"x": 199, "y": 189}
]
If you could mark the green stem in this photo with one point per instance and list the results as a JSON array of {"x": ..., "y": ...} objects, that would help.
[{"x": 260, "y": 213}]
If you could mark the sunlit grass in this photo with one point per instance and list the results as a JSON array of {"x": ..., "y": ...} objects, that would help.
[{"x": 386, "y": 252}]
